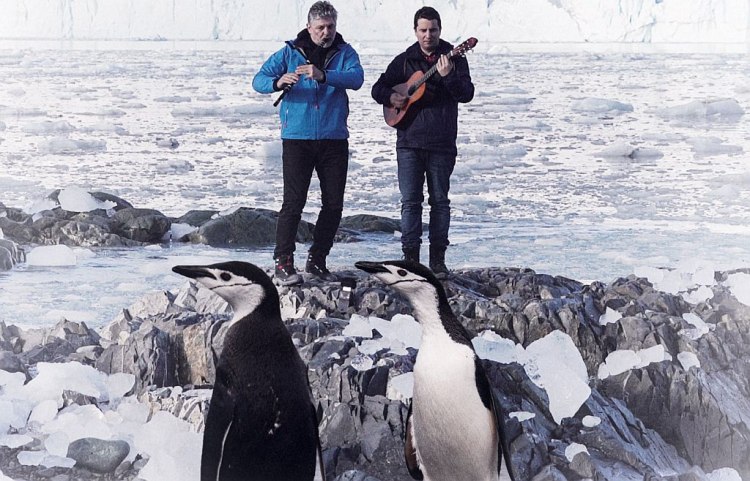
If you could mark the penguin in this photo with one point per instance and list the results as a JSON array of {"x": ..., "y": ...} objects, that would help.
[
  {"x": 454, "y": 428},
  {"x": 261, "y": 423}
]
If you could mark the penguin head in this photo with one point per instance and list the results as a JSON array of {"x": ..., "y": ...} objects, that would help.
[
  {"x": 243, "y": 285},
  {"x": 410, "y": 278}
]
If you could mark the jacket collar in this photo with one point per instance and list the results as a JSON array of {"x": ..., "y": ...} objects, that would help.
[
  {"x": 304, "y": 42},
  {"x": 415, "y": 51}
]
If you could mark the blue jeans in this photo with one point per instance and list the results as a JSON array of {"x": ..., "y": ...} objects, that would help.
[{"x": 414, "y": 166}]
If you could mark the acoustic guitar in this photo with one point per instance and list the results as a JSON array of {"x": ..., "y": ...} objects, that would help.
[{"x": 415, "y": 87}]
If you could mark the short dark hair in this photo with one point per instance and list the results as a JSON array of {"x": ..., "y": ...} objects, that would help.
[
  {"x": 321, "y": 9},
  {"x": 428, "y": 13}
]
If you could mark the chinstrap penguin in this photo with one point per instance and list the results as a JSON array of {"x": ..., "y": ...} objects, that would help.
[
  {"x": 454, "y": 429},
  {"x": 261, "y": 423}
]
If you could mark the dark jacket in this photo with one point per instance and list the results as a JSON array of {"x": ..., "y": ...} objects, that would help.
[
  {"x": 312, "y": 110},
  {"x": 434, "y": 124}
]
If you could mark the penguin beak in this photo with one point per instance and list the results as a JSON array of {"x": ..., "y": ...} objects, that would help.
[
  {"x": 370, "y": 267},
  {"x": 193, "y": 272}
]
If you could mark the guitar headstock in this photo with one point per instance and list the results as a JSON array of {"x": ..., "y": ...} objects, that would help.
[{"x": 467, "y": 45}]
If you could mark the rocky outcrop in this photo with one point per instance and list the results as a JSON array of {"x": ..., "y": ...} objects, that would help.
[
  {"x": 661, "y": 420},
  {"x": 245, "y": 227},
  {"x": 122, "y": 225}
]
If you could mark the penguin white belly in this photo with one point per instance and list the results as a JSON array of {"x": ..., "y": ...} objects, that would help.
[{"x": 454, "y": 433}]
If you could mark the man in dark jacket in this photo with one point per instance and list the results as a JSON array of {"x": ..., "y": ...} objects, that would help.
[
  {"x": 426, "y": 139},
  {"x": 313, "y": 72}
]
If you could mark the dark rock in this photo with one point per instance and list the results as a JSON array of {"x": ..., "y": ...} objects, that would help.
[
  {"x": 370, "y": 223},
  {"x": 196, "y": 218},
  {"x": 245, "y": 227},
  {"x": 142, "y": 225},
  {"x": 98, "y": 455}
]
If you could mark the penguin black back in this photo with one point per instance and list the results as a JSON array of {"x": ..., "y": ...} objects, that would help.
[{"x": 261, "y": 422}]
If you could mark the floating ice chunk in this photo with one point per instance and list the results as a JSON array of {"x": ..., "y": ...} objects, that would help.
[
  {"x": 618, "y": 362},
  {"x": 724, "y": 474},
  {"x": 48, "y": 127},
  {"x": 701, "y": 327},
  {"x": 696, "y": 296},
  {"x": 555, "y": 364},
  {"x": 688, "y": 360},
  {"x": 75, "y": 199},
  {"x": 118, "y": 385},
  {"x": 2, "y": 476},
  {"x": 13, "y": 413},
  {"x": 57, "y": 255},
  {"x": 362, "y": 362},
  {"x": 14, "y": 441},
  {"x": 61, "y": 145},
  {"x": 174, "y": 450},
  {"x": 610, "y": 316},
  {"x": 57, "y": 444},
  {"x": 31, "y": 458},
  {"x": 573, "y": 449},
  {"x": 80, "y": 422},
  {"x": 739, "y": 286},
  {"x": 651, "y": 355},
  {"x": 591, "y": 421},
  {"x": 622, "y": 149},
  {"x": 600, "y": 106},
  {"x": 623, "y": 360},
  {"x": 401, "y": 387},
  {"x": 134, "y": 412},
  {"x": 43, "y": 458},
  {"x": 177, "y": 231},
  {"x": 704, "y": 108},
  {"x": 491, "y": 346},
  {"x": 53, "y": 378},
  {"x": 358, "y": 326},
  {"x": 44, "y": 412},
  {"x": 522, "y": 415},
  {"x": 708, "y": 146}
]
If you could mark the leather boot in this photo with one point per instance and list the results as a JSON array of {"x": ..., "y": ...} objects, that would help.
[
  {"x": 411, "y": 253},
  {"x": 437, "y": 262},
  {"x": 316, "y": 265}
]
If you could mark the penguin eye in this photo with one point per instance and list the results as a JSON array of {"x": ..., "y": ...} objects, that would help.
[
  {"x": 401, "y": 272},
  {"x": 225, "y": 277}
]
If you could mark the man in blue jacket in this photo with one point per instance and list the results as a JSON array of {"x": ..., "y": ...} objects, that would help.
[
  {"x": 426, "y": 140},
  {"x": 313, "y": 72}
]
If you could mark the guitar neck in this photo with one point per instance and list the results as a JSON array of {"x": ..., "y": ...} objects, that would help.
[{"x": 428, "y": 74}]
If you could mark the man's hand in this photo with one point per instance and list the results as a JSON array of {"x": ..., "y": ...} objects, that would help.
[
  {"x": 398, "y": 100},
  {"x": 444, "y": 65},
  {"x": 311, "y": 71},
  {"x": 288, "y": 79}
]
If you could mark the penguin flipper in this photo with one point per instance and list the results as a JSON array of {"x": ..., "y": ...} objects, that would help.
[
  {"x": 320, "y": 471},
  {"x": 410, "y": 451},
  {"x": 499, "y": 416},
  {"x": 218, "y": 424}
]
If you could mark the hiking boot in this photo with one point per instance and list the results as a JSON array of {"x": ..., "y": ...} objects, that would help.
[
  {"x": 316, "y": 265},
  {"x": 285, "y": 273},
  {"x": 411, "y": 253},
  {"x": 437, "y": 262}
]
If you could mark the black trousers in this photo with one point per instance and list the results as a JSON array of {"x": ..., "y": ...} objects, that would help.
[{"x": 330, "y": 159}]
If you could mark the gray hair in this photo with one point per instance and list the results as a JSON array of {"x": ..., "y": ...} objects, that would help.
[{"x": 321, "y": 9}]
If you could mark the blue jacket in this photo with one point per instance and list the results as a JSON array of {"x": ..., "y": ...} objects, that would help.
[{"x": 312, "y": 110}]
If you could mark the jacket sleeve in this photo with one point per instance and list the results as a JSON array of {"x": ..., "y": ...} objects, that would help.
[
  {"x": 272, "y": 69},
  {"x": 393, "y": 75},
  {"x": 351, "y": 75},
  {"x": 458, "y": 82}
]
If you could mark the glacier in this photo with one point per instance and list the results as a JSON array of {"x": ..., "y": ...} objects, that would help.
[{"x": 492, "y": 21}]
